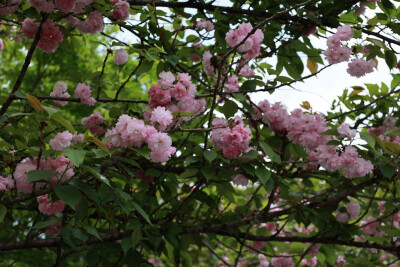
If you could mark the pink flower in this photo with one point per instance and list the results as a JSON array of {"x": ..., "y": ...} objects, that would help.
[
  {"x": 353, "y": 210},
  {"x": 286, "y": 261},
  {"x": 93, "y": 24},
  {"x": 121, "y": 57},
  {"x": 93, "y": 120},
  {"x": 246, "y": 71},
  {"x": 121, "y": 10},
  {"x": 42, "y": 5},
  {"x": 48, "y": 208},
  {"x": 233, "y": 84},
  {"x": 158, "y": 96},
  {"x": 162, "y": 156},
  {"x": 21, "y": 175},
  {"x": 77, "y": 138},
  {"x": 53, "y": 229},
  {"x": 167, "y": 79},
  {"x": 344, "y": 130},
  {"x": 179, "y": 91},
  {"x": 162, "y": 117},
  {"x": 359, "y": 67},
  {"x": 9, "y": 7},
  {"x": 240, "y": 179},
  {"x": 208, "y": 67},
  {"x": 61, "y": 91},
  {"x": 345, "y": 32},
  {"x": 61, "y": 141},
  {"x": 81, "y": 5},
  {"x": 6, "y": 183},
  {"x": 204, "y": 24},
  {"x": 252, "y": 43},
  {"x": 159, "y": 142},
  {"x": 83, "y": 92},
  {"x": 369, "y": 226},
  {"x": 65, "y": 5},
  {"x": 50, "y": 37},
  {"x": 341, "y": 261},
  {"x": 1, "y": 44},
  {"x": 29, "y": 28}
]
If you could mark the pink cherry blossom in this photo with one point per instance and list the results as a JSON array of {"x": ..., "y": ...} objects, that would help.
[
  {"x": 10, "y": 7},
  {"x": 121, "y": 10},
  {"x": 240, "y": 179},
  {"x": 48, "y": 208},
  {"x": 61, "y": 140},
  {"x": 43, "y": 5},
  {"x": 65, "y": 5},
  {"x": 161, "y": 117},
  {"x": 50, "y": 37},
  {"x": 29, "y": 28},
  {"x": 6, "y": 183},
  {"x": 358, "y": 67},
  {"x": 93, "y": 24},
  {"x": 83, "y": 92},
  {"x": 208, "y": 67},
  {"x": 344, "y": 130},
  {"x": 121, "y": 57},
  {"x": 61, "y": 91},
  {"x": 204, "y": 24}
]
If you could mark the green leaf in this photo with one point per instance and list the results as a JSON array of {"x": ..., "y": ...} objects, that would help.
[
  {"x": 145, "y": 152},
  {"x": 270, "y": 153},
  {"x": 3, "y": 212},
  {"x": 92, "y": 231},
  {"x": 141, "y": 212},
  {"x": 136, "y": 237},
  {"x": 69, "y": 194},
  {"x": 96, "y": 172},
  {"x": 210, "y": 155},
  {"x": 229, "y": 108},
  {"x": 41, "y": 225},
  {"x": 387, "y": 171},
  {"x": 263, "y": 174},
  {"x": 58, "y": 118},
  {"x": 40, "y": 175},
  {"x": 76, "y": 156},
  {"x": 249, "y": 85},
  {"x": 86, "y": 189},
  {"x": 390, "y": 58},
  {"x": 208, "y": 172},
  {"x": 188, "y": 173},
  {"x": 368, "y": 138}
]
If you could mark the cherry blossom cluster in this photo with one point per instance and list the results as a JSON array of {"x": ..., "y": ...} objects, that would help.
[
  {"x": 231, "y": 140},
  {"x": 50, "y": 36},
  {"x": 92, "y": 123},
  {"x": 284, "y": 261},
  {"x": 9, "y": 7},
  {"x": 252, "y": 44},
  {"x": 204, "y": 24},
  {"x": 351, "y": 212},
  {"x": 172, "y": 95},
  {"x": 130, "y": 131},
  {"x": 48, "y": 208},
  {"x": 121, "y": 57},
  {"x": 120, "y": 10},
  {"x": 337, "y": 53},
  {"x": 64, "y": 139},
  {"x": 61, "y": 91},
  {"x": 83, "y": 91},
  {"x": 305, "y": 130},
  {"x": 6, "y": 183},
  {"x": 61, "y": 164}
]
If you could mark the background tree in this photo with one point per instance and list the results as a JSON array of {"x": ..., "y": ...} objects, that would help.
[{"x": 131, "y": 135}]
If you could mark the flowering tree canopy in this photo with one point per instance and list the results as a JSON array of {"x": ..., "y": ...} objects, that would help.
[{"x": 140, "y": 133}]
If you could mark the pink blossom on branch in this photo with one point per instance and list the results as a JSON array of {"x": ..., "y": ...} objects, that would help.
[
  {"x": 61, "y": 141},
  {"x": 65, "y": 5},
  {"x": 61, "y": 91},
  {"x": 50, "y": 37},
  {"x": 83, "y": 92},
  {"x": 121, "y": 57},
  {"x": 48, "y": 208},
  {"x": 9, "y": 7},
  {"x": 121, "y": 10},
  {"x": 29, "y": 28}
]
